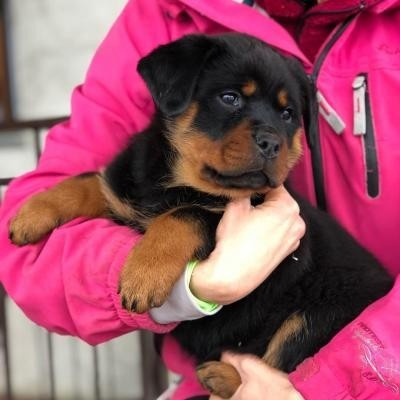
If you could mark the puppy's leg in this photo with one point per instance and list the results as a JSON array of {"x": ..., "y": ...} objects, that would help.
[
  {"x": 71, "y": 198},
  {"x": 288, "y": 343},
  {"x": 158, "y": 260}
]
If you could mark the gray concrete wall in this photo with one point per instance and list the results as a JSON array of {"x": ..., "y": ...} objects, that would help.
[{"x": 51, "y": 45}]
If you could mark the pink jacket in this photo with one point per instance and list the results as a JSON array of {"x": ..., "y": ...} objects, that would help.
[{"x": 68, "y": 283}]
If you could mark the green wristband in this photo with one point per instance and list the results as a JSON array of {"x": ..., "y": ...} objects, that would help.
[{"x": 205, "y": 306}]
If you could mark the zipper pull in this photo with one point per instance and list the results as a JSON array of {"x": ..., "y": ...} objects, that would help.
[
  {"x": 330, "y": 115},
  {"x": 359, "y": 113}
]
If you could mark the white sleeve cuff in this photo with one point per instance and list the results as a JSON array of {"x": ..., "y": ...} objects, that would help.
[{"x": 181, "y": 304}]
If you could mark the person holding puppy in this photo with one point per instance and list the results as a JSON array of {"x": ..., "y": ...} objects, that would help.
[{"x": 79, "y": 263}]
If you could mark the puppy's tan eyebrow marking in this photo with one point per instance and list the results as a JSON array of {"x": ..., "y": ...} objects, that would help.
[
  {"x": 249, "y": 88},
  {"x": 283, "y": 98}
]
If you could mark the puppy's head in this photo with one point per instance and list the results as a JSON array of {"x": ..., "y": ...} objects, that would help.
[{"x": 233, "y": 108}]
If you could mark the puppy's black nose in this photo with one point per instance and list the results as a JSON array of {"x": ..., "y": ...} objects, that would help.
[{"x": 269, "y": 144}]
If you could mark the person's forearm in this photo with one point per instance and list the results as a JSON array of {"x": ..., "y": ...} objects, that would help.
[{"x": 68, "y": 282}]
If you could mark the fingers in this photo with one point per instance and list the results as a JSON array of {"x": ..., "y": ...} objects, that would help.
[
  {"x": 276, "y": 193},
  {"x": 281, "y": 198},
  {"x": 259, "y": 237},
  {"x": 288, "y": 207},
  {"x": 298, "y": 230},
  {"x": 295, "y": 246},
  {"x": 233, "y": 359},
  {"x": 244, "y": 363},
  {"x": 234, "y": 211},
  {"x": 250, "y": 366},
  {"x": 238, "y": 206},
  {"x": 259, "y": 381},
  {"x": 279, "y": 194}
]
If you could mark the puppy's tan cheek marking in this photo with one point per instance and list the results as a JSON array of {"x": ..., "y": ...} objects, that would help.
[
  {"x": 229, "y": 153},
  {"x": 193, "y": 147},
  {"x": 283, "y": 98},
  {"x": 184, "y": 121},
  {"x": 290, "y": 328},
  {"x": 296, "y": 149},
  {"x": 281, "y": 164},
  {"x": 238, "y": 147},
  {"x": 249, "y": 88},
  {"x": 288, "y": 157},
  {"x": 196, "y": 150}
]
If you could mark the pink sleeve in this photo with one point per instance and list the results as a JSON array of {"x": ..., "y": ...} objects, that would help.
[
  {"x": 361, "y": 362},
  {"x": 68, "y": 282}
]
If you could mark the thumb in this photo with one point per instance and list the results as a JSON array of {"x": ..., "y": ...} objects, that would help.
[
  {"x": 276, "y": 194},
  {"x": 244, "y": 363},
  {"x": 237, "y": 205},
  {"x": 234, "y": 210},
  {"x": 231, "y": 358},
  {"x": 280, "y": 198}
]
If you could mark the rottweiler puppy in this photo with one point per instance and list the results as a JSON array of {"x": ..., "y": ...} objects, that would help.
[{"x": 228, "y": 124}]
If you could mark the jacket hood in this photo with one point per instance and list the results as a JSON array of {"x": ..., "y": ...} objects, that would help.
[
  {"x": 245, "y": 19},
  {"x": 242, "y": 18}
]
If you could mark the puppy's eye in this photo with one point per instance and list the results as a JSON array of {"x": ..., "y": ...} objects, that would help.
[
  {"x": 230, "y": 99},
  {"x": 287, "y": 114}
]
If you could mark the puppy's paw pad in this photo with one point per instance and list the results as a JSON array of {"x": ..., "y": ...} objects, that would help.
[
  {"x": 132, "y": 301},
  {"x": 142, "y": 290}
]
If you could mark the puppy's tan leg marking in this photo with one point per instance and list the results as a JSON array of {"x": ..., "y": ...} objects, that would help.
[
  {"x": 71, "y": 198},
  {"x": 157, "y": 261},
  {"x": 219, "y": 378},
  {"x": 291, "y": 327}
]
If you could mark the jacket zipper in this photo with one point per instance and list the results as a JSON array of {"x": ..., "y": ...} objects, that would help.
[
  {"x": 313, "y": 134},
  {"x": 312, "y": 12},
  {"x": 364, "y": 127}
]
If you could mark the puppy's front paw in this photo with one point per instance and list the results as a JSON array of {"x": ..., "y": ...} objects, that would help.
[
  {"x": 145, "y": 282},
  {"x": 33, "y": 221},
  {"x": 157, "y": 261},
  {"x": 219, "y": 378}
]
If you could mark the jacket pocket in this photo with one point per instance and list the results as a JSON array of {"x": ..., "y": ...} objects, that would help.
[{"x": 363, "y": 126}]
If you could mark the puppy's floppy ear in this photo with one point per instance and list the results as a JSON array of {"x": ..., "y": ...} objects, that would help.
[
  {"x": 309, "y": 104},
  {"x": 171, "y": 71}
]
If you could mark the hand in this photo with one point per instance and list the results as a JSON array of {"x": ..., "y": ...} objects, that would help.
[
  {"x": 259, "y": 381},
  {"x": 250, "y": 243}
]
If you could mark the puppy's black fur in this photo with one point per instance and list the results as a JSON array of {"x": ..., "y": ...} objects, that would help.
[
  {"x": 330, "y": 281},
  {"x": 229, "y": 112}
]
